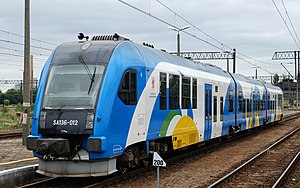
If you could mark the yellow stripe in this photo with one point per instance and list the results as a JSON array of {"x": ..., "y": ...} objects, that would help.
[{"x": 18, "y": 161}]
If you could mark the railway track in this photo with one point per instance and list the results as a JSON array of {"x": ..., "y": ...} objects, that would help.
[
  {"x": 117, "y": 178},
  {"x": 265, "y": 168},
  {"x": 4, "y": 135},
  {"x": 281, "y": 180},
  {"x": 37, "y": 183}
]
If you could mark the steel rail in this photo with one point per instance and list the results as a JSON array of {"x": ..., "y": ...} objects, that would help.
[
  {"x": 221, "y": 180},
  {"x": 10, "y": 135},
  {"x": 37, "y": 183},
  {"x": 287, "y": 171}
]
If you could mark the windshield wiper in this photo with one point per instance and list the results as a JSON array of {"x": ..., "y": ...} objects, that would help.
[
  {"x": 92, "y": 81},
  {"x": 91, "y": 76}
]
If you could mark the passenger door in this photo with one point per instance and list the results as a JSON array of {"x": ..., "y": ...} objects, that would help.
[{"x": 208, "y": 111}]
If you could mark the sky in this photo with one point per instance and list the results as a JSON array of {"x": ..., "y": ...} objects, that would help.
[{"x": 254, "y": 28}]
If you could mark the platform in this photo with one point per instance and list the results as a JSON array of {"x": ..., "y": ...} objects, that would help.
[{"x": 13, "y": 154}]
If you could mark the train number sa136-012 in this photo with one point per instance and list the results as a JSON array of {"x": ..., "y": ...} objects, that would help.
[{"x": 62, "y": 122}]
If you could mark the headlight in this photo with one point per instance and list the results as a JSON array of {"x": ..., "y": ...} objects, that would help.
[
  {"x": 42, "y": 119},
  {"x": 89, "y": 121}
]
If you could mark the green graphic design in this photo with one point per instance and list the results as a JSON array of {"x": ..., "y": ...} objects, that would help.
[{"x": 164, "y": 127}]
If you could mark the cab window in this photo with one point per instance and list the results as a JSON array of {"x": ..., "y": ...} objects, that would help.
[
  {"x": 163, "y": 91},
  {"x": 127, "y": 90}
]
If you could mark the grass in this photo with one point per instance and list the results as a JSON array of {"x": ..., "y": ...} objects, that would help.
[{"x": 9, "y": 120}]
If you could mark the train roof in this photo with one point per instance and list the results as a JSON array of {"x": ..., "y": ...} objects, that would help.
[
  {"x": 101, "y": 48},
  {"x": 100, "y": 51},
  {"x": 243, "y": 78},
  {"x": 270, "y": 87},
  {"x": 153, "y": 57},
  {"x": 273, "y": 88}
]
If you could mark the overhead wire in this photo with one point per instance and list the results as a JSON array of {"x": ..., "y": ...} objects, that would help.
[
  {"x": 11, "y": 64},
  {"x": 21, "y": 51},
  {"x": 254, "y": 59},
  {"x": 9, "y": 54},
  {"x": 193, "y": 35},
  {"x": 36, "y": 59},
  {"x": 22, "y": 56},
  {"x": 38, "y": 56},
  {"x": 38, "y": 40},
  {"x": 32, "y": 46},
  {"x": 255, "y": 65},
  {"x": 193, "y": 25},
  {"x": 167, "y": 23},
  {"x": 290, "y": 20},
  {"x": 285, "y": 24},
  {"x": 209, "y": 36}
]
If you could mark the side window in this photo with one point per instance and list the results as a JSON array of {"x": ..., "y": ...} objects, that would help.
[
  {"x": 186, "y": 93},
  {"x": 248, "y": 108},
  {"x": 163, "y": 91},
  {"x": 251, "y": 107},
  {"x": 240, "y": 101},
  {"x": 194, "y": 93},
  {"x": 215, "y": 108},
  {"x": 127, "y": 90},
  {"x": 258, "y": 107},
  {"x": 216, "y": 88},
  {"x": 244, "y": 108},
  {"x": 255, "y": 107},
  {"x": 221, "y": 108},
  {"x": 280, "y": 101},
  {"x": 230, "y": 106},
  {"x": 274, "y": 105},
  {"x": 262, "y": 106},
  {"x": 174, "y": 91}
]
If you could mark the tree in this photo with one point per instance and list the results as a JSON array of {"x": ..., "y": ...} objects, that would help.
[
  {"x": 275, "y": 79},
  {"x": 6, "y": 102},
  {"x": 14, "y": 96},
  {"x": 2, "y": 98}
]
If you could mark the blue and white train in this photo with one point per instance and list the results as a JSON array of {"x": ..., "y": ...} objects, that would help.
[{"x": 104, "y": 105}]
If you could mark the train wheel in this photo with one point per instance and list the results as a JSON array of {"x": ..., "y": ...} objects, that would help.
[
  {"x": 146, "y": 162},
  {"x": 122, "y": 170}
]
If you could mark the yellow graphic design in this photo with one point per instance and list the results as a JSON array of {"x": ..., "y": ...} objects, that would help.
[
  {"x": 250, "y": 123},
  {"x": 256, "y": 121},
  {"x": 278, "y": 114},
  {"x": 185, "y": 133}
]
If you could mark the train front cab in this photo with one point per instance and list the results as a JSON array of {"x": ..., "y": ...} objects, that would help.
[{"x": 72, "y": 134}]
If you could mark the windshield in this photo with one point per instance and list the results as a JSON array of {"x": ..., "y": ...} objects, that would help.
[{"x": 72, "y": 87}]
